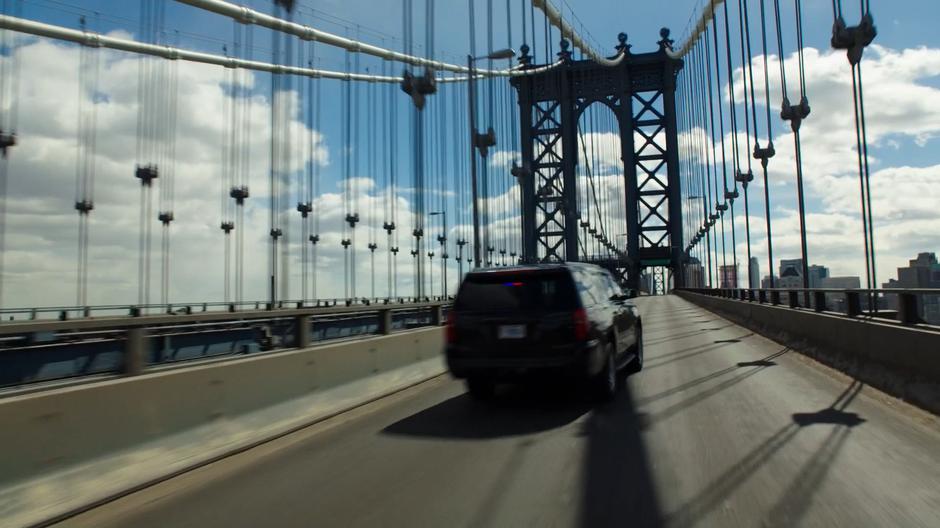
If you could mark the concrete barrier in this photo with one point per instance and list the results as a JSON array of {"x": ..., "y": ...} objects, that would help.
[
  {"x": 901, "y": 360},
  {"x": 65, "y": 449}
]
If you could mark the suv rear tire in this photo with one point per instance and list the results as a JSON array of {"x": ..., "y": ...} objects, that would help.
[
  {"x": 636, "y": 364},
  {"x": 481, "y": 388},
  {"x": 605, "y": 384}
]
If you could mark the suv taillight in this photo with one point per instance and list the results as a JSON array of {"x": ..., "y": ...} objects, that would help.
[
  {"x": 580, "y": 324},
  {"x": 451, "y": 329}
]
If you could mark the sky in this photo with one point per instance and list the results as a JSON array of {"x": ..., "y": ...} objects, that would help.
[{"x": 902, "y": 73}]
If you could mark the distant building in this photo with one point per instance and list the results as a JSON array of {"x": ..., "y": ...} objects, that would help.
[
  {"x": 816, "y": 275},
  {"x": 790, "y": 277},
  {"x": 922, "y": 272},
  {"x": 795, "y": 264},
  {"x": 753, "y": 273},
  {"x": 836, "y": 301},
  {"x": 765, "y": 283},
  {"x": 728, "y": 276},
  {"x": 791, "y": 274}
]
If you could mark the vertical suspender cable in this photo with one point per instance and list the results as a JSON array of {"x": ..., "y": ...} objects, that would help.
[
  {"x": 767, "y": 152},
  {"x": 303, "y": 175},
  {"x": 305, "y": 178},
  {"x": 371, "y": 111},
  {"x": 346, "y": 126},
  {"x": 795, "y": 115},
  {"x": 394, "y": 130},
  {"x": 386, "y": 178},
  {"x": 719, "y": 213},
  {"x": 273, "y": 177},
  {"x": 151, "y": 144},
  {"x": 165, "y": 215},
  {"x": 709, "y": 147},
  {"x": 854, "y": 40},
  {"x": 747, "y": 74},
  {"x": 315, "y": 189},
  {"x": 353, "y": 196},
  {"x": 732, "y": 195},
  {"x": 225, "y": 180},
  {"x": 286, "y": 88},
  {"x": 240, "y": 152},
  {"x": 85, "y": 160},
  {"x": 724, "y": 166}
]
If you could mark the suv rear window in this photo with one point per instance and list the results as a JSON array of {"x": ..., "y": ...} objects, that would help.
[{"x": 538, "y": 291}]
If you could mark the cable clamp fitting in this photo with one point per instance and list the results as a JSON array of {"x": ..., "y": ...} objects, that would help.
[
  {"x": 84, "y": 206},
  {"x": 146, "y": 174},
  {"x": 795, "y": 114},
  {"x": 239, "y": 194},
  {"x": 853, "y": 39}
]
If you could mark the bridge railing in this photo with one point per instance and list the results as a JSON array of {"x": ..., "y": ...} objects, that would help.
[
  {"x": 909, "y": 306},
  {"x": 44, "y": 350},
  {"x": 135, "y": 310}
]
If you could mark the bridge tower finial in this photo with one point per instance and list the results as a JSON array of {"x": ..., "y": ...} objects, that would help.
[{"x": 665, "y": 42}]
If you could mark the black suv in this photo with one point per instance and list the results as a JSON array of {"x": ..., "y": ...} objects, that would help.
[{"x": 571, "y": 319}]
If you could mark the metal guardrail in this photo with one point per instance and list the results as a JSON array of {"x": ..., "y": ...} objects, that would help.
[
  {"x": 135, "y": 310},
  {"x": 904, "y": 306},
  {"x": 43, "y": 350}
]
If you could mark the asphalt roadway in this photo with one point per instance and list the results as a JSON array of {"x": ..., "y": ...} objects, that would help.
[{"x": 722, "y": 428}]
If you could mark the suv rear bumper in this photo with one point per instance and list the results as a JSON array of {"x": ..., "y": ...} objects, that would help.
[{"x": 581, "y": 360}]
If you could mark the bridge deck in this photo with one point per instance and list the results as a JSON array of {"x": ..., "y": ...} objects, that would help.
[{"x": 722, "y": 428}]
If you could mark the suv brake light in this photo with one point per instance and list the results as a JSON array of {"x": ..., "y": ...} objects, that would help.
[
  {"x": 451, "y": 329},
  {"x": 580, "y": 324}
]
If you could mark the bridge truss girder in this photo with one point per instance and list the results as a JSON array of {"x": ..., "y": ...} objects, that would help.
[{"x": 640, "y": 91}]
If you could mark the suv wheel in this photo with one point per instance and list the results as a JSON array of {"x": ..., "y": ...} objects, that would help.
[
  {"x": 605, "y": 385},
  {"x": 481, "y": 388},
  {"x": 637, "y": 364}
]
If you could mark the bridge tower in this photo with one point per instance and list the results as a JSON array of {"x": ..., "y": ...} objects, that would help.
[{"x": 640, "y": 91}]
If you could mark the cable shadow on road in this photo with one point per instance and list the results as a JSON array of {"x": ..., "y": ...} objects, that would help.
[
  {"x": 693, "y": 399},
  {"x": 762, "y": 363},
  {"x": 618, "y": 487},
  {"x": 673, "y": 337},
  {"x": 520, "y": 410},
  {"x": 795, "y": 500},
  {"x": 654, "y": 361}
]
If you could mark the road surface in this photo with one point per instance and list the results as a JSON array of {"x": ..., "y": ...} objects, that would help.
[{"x": 722, "y": 428}]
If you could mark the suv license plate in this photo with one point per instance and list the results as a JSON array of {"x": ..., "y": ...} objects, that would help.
[{"x": 511, "y": 332}]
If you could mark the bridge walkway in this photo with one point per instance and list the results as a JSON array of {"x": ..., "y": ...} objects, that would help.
[{"x": 722, "y": 428}]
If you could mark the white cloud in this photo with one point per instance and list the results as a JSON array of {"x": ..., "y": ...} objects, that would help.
[
  {"x": 899, "y": 105},
  {"x": 41, "y": 224},
  {"x": 503, "y": 158}
]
